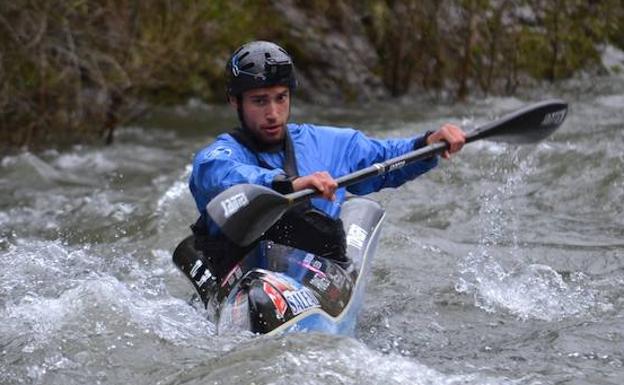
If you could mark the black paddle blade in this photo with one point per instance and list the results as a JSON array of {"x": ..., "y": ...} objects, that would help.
[
  {"x": 530, "y": 124},
  {"x": 245, "y": 211}
]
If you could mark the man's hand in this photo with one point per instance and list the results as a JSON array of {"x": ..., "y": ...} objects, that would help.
[
  {"x": 321, "y": 181},
  {"x": 453, "y": 135}
]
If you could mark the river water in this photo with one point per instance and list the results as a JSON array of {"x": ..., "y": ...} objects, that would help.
[{"x": 504, "y": 265}]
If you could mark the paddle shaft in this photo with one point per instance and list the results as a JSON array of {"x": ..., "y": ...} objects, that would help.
[
  {"x": 382, "y": 168},
  {"x": 529, "y": 124}
]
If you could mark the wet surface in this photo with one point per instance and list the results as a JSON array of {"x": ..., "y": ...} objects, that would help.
[{"x": 503, "y": 266}]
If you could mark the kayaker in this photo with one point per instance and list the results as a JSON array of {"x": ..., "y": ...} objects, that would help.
[{"x": 267, "y": 150}]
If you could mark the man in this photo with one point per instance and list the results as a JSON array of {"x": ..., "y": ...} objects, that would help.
[{"x": 267, "y": 151}]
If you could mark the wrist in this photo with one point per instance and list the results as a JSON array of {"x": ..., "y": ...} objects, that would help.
[
  {"x": 423, "y": 140},
  {"x": 427, "y": 137},
  {"x": 283, "y": 184}
]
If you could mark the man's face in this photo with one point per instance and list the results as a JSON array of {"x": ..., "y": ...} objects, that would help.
[{"x": 266, "y": 111}]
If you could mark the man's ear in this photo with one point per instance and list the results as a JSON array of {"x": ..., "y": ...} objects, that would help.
[{"x": 233, "y": 101}]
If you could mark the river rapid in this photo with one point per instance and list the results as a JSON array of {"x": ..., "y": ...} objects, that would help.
[{"x": 505, "y": 265}]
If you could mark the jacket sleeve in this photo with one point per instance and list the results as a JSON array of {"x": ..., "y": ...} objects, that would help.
[
  {"x": 363, "y": 151},
  {"x": 223, "y": 165}
]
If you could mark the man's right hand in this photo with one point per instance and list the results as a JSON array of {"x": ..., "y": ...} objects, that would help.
[
  {"x": 451, "y": 134},
  {"x": 320, "y": 181}
]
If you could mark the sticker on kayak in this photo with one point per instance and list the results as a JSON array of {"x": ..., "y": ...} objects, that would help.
[
  {"x": 312, "y": 264},
  {"x": 276, "y": 298},
  {"x": 301, "y": 300},
  {"x": 356, "y": 236},
  {"x": 321, "y": 282},
  {"x": 234, "y": 203},
  {"x": 281, "y": 282},
  {"x": 234, "y": 275},
  {"x": 200, "y": 279}
]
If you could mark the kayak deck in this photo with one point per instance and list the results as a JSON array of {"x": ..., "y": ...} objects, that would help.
[{"x": 277, "y": 289}]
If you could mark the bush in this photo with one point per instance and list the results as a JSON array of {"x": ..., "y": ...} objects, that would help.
[{"x": 74, "y": 70}]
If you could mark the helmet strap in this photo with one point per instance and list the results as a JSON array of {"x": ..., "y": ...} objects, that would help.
[{"x": 239, "y": 111}]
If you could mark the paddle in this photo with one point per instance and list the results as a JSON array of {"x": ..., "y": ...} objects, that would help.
[{"x": 244, "y": 212}]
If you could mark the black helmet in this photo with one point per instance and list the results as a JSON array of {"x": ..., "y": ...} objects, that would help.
[{"x": 259, "y": 64}]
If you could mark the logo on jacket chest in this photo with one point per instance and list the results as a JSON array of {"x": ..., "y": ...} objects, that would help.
[{"x": 219, "y": 151}]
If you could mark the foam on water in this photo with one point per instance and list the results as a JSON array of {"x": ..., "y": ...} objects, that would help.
[
  {"x": 33, "y": 171},
  {"x": 95, "y": 161},
  {"x": 101, "y": 304},
  {"x": 489, "y": 147},
  {"x": 528, "y": 291},
  {"x": 319, "y": 359},
  {"x": 41, "y": 268},
  {"x": 99, "y": 322},
  {"x": 611, "y": 101},
  {"x": 99, "y": 204},
  {"x": 37, "y": 271}
]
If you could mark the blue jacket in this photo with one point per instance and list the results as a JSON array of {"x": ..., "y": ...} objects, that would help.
[{"x": 339, "y": 151}]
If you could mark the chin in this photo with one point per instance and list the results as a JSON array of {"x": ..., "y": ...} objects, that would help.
[{"x": 274, "y": 139}]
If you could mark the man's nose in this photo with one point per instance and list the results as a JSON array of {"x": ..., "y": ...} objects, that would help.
[{"x": 271, "y": 110}]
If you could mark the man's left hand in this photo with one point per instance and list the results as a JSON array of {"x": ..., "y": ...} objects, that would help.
[{"x": 451, "y": 134}]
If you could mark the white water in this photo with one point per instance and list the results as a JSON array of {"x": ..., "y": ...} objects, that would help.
[{"x": 503, "y": 266}]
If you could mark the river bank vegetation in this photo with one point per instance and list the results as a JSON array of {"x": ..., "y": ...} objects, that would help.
[{"x": 73, "y": 71}]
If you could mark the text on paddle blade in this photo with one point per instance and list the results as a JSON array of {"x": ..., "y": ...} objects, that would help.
[
  {"x": 554, "y": 118},
  {"x": 233, "y": 204}
]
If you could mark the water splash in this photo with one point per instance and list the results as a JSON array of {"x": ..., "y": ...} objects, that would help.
[
  {"x": 98, "y": 162},
  {"x": 28, "y": 169},
  {"x": 175, "y": 208},
  {"x": 528, "y": 291},
  {"x": 44, "y": 268},
  {"x": 101, "y": 305}
]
